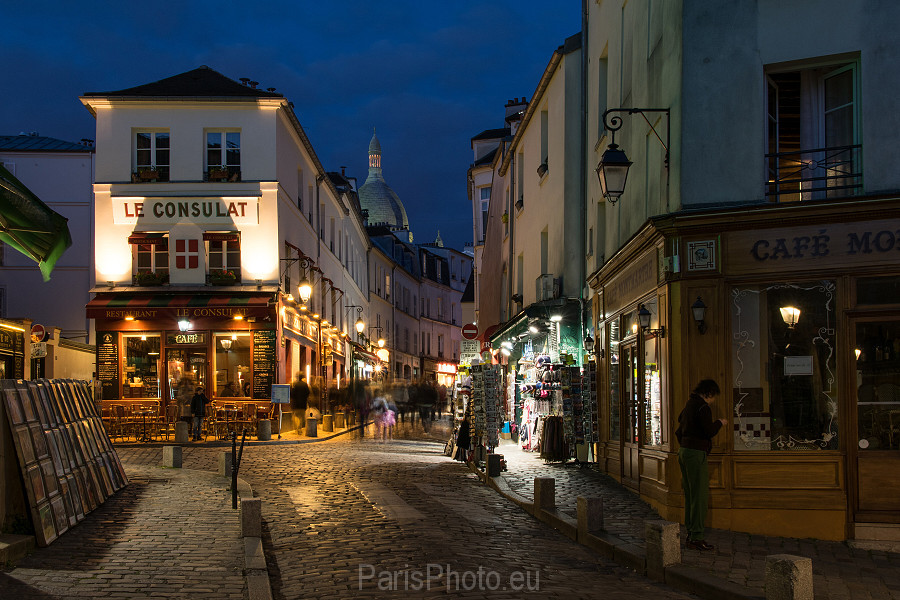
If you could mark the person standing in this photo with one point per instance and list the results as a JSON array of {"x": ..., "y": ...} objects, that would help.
[
  {"x": 695, "y": 432},
  {"x": 198, "y": 410},
  {"x": 299, "y": 402}
]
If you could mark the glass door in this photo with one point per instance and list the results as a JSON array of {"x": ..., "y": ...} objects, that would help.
[
  {"x": 631, "y": 411},
  {"x": 876, "y": 353}
]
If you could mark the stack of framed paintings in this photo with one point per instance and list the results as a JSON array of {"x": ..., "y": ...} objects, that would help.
[{"x": 68, "y": 463}]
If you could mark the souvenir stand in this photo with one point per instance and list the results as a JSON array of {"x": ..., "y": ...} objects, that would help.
[{"x": 485, "y": 398}]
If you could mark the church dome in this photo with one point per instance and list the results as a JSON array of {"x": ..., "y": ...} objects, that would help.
[{"x": 377, "y": 197}]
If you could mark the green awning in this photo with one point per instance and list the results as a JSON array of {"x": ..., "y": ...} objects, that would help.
[{"x": 29, "y": 226}]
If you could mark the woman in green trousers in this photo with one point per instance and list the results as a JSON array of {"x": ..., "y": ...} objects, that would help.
[{"x": 695, "y": 432}]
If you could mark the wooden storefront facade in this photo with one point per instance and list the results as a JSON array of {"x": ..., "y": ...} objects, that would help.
[{"x": 802, "y": 333}]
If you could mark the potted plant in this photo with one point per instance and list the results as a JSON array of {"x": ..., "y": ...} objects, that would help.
[
  {"x": 145, "y": 174},
  {"x": 505, "y": 217},
  {"x": 217, "y": 173},
  {"x": 222, "y": 277},
  {"x": 145, "y": 278}
]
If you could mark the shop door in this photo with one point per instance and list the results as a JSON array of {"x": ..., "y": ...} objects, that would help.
[
  {"x": 186, "y": 368},
  {"x": 631, "y": 406},
  {"x": 877, "y": 413}
]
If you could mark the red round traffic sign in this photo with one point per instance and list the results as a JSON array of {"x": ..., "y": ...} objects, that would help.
[
  {"x": 470, "y": 331},
  {"x": 38, "y": 333}
]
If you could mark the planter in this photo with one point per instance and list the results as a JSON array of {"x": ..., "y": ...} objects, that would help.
[
  {"x": 217, "y": 175},
  {"x": 148, "y": 278},
  {"x": 148, "y": 175},
  {"x": 219, "y": 278},
  {"x": 505, "y": 217}
]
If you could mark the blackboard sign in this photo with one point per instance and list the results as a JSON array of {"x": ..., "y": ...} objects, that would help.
[
  {"x": 263, "y": 363},
  {"x": 108, "y": 364}
]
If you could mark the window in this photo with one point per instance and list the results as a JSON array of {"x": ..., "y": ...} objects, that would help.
[
  {"x": 300, "y": 190},
  {"x": 224, "y": 252},
  {"x": 440, "y": 307},
  {"x": 602, "y": 90},
  {"x": 406, "y": 340},
  {"x": 151, "y": 156},
  {"x": 785, "y": 377},
  {"x": 331, "y": 236},
  {"x": 520, "y": 181},
  {"x": 387, "y": 285},
  {"x": 187, "y": 254},
  {"x": 812, "y": 120},
  {"x": 545, "y": 133},
  {"x": 151, "y": 259},
  {"x": 232, "y": 357},
  {"x": 485, "y": 203},
  {"x": 453, "y": 312},
  {"x": 142, "y": 366},
  {"x": 223, "y": 155},
  {"x": 590, "y": 240},
  {"x": 440, "y": 340}
]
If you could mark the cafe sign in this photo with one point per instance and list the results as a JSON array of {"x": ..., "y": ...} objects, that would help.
[
  {"x": 242, "y": 210},
  {"x": 842, "y": 245},
  {"x": 186, "y": 338}
]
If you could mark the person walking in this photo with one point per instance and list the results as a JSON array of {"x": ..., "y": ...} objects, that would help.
[
  {"x": 299, "y": 400},
  {"x": 198, "y": 410},
  {"x": 695, "y": 432}
]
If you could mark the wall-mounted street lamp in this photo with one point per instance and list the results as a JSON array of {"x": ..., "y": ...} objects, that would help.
[
  {"x": 644, "y": 321},
  {"x": 790, "y": 315},
  {"x": 612, "y": 170},
  {"x": 589, "y": 344},
  {"x": 360, "y": 324},
  {"x": 184, "y": 325},
  {"x": 304, "y": 290},
  {"x": 699, "y": 310}
]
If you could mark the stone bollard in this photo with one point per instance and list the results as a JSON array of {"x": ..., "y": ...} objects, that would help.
[
  {"x": 264, "y": 430},
  {"x": 225, "y": 461},
  {"x": 590, "y": 514},
  {"x": 251, "y": 517},
  {"x": 339, "y": 420},
  {"x": 311, "y": 427},
  {"x": 181, "y": 432},
  {"x": 788, "y": 577},
  {"x": 172, "y": 457},
  {"x": 663, "y": 546},
  {"x": 493, "y": 465},
  {"x": 544, "y": 493},
  {"x": 327, "y": 422}
]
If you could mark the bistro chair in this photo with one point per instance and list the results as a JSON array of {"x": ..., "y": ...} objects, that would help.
[{"x": 247, "y": 419}]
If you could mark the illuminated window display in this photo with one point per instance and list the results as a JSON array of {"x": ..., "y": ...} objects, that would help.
[
  {"x": 783, "y": 357},
  {"x": 233, "y": 362},
  {"x": 141, "y": 365},
  {"x": 612, "y": 334},
  {"x": 652, "y": 393}
]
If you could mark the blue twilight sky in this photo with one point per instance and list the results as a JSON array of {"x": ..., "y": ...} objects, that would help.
[{"x": 428, "y": 74}]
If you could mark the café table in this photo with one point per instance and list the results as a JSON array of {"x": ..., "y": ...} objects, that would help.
[{"x": 144, "y": 413}]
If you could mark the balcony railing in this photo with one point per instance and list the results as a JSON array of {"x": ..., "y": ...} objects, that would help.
[{"x": 814, "y": 174}]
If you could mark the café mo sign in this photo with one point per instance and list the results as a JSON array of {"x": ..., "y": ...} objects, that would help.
[{"x": 157, "y": 211}]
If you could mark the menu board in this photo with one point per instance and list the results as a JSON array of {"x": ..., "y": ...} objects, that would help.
[
  {"x": 108, "y": 364},
  {"x": 263, "y": 363},
  {"x": 68, "y": 464}
]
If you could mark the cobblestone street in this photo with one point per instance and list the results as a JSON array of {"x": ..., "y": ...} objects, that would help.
[{"x": 355, "y": 517}]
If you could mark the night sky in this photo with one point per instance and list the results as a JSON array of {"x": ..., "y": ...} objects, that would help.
[{"x": 428, "y": 75}]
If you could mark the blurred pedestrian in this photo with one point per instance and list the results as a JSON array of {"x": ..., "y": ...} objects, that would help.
[
  {"x": 299, "y": 401},
  {"x": 198, "y": 410},
  {"x": 695, "y": 432}
]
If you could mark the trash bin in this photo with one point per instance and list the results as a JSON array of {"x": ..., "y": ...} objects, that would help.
[{"x": 311, "y": 427}]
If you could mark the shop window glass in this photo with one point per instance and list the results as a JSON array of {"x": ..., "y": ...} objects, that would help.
[
  {"x": 783, "y": 360},
  {"x": 877, "y": 353},
  {"x": 878, "y": 290},
  {"x": 652, "y": 393},
  {"x": 141, "y": 378},
  {"x": 233, "y": 364},
  {"x": 612, "y": 334}
]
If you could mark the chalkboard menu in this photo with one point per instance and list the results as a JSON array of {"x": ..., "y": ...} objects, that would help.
[
  {"x": 108, "y": 364},
  {"x": 263, "y": 363},
  {"x": 68, "y": 464}
]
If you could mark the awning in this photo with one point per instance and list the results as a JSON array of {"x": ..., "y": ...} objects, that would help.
[
  {"x": 360, "y": 352},
  {"x": 148, "y": 238},
  {"x": 29, "y": 226},
  {"x": 217, "y": 236},
  {"x": 164, "y": 306}
]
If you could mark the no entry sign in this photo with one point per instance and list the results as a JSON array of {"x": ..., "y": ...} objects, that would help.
[
  {"x": 38, "y": 333},
  {"x": 470, "y": 331}
]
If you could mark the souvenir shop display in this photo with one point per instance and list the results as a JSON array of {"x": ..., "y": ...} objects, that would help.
[
  {"x": 485, "y": 398},
  {"x": 589, "y": 403}
]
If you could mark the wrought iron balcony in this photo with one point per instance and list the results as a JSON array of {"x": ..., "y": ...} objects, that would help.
[{"x": 814, "y": 174}]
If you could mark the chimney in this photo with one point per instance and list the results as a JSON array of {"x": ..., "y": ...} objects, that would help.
[
  {"x": 253, "y": 84},
  {"x": 344, "y": 171},
  {"x": 245, "y": 80},
  {"x": 270, "y": 89}
]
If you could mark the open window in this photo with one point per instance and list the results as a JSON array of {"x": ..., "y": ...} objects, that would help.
[{"x": 812, "y": 121}]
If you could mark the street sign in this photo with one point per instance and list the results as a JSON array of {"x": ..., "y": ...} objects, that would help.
[
  {"x": 38, "y": 333},
  {"x": 470, "y": 331},
  {"x": 39, "y": 350}
]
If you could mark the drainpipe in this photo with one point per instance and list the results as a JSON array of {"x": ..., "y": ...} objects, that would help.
[
  {"x": 583, "y": 156},
  {"x": 510, "y": 209}
]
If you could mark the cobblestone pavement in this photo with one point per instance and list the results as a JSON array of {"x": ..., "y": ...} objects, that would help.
[
  {"x": 354, "y": 517},
  {"x": 137, "y": 546},
  {"x": 840, "y": 572}
]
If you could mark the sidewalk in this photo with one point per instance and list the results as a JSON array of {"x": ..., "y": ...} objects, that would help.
[
  {"x": 171, "y": 533},
  {"x": 840, "y": 571}
]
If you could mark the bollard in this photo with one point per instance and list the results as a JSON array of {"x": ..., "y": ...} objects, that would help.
[
  {"x": 788, "y": 577},
  {"x": 590, "y": 514},
  {"x": 172, "y": 457},
  {"x": 225, "y": 462},
  {"x": 544, "y": 493},
  {"x": 264, "y": 430},
  {"x": 311, "y": 427},
  {"x": 661, "y": 539},
  {"x": 493, "y": 465},
  {"x": 339, "y": 420},
  {"x": 251, "y": 517},
  {"x": 327, "y": 422},
  {"x": 181, "y": 432}
]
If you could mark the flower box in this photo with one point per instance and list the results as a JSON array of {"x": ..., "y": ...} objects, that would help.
[
  {"x": 217, "y": 175},
  {"x": 148, "y": 278},
  {"x": 222, "y": 278}
]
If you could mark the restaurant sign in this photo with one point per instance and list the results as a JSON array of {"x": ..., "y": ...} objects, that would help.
[
  {"x": 191, "y": 338},
  {"x": 242, "y": 210}
]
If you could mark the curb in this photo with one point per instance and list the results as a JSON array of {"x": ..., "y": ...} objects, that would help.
[
  {"x": 687, "y": 579},
  {"x": 227, "y": 443}
]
